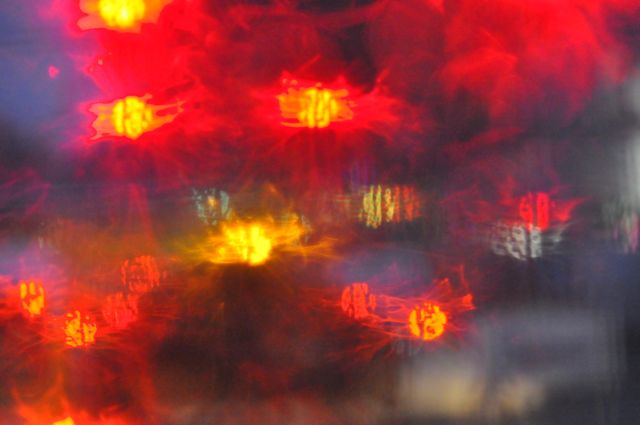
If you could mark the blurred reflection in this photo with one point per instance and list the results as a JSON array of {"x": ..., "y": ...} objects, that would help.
[{"x": 515, "y": 364}]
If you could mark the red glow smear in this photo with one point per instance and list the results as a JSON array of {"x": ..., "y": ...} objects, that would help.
[
  {"x": 512, "y": 54},
  {"x": 79, "y": 330},
  {"x": 131, "y": 117},
  {"x": 535, "y": 209},
  {"x": 540, "y": 210},
  {"x": 538, "y": 227},
  {"x": 257, "y": 241},
  {"x": 119, "y": 15},
  {"x": 53, "y": 72},
  {"x": 357, "y": 302},
  {"x": 425, "y": 318},
  {"x": 316, "y": 105},
  {"x": 140, "y": 274},
  {"x": 120, "y": 310}
]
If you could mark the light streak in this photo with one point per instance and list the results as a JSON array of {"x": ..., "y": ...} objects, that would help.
[
  {"x": 426, "y": 317},
  {"x": 314, "y": 106},
  {"x": 253, "y": 241},
  {"x": 131, "y": 117},
  {"x": 246, "y": 243},
  {"x": 388, "y": 204}
]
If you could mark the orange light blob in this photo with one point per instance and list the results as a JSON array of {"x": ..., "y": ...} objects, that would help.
[
  {"x": 79, "y": 331},
  {"x": 32, "y": 298},
  {"x": 252, "y": 242},
  {"x": 427, "y": 322},
  {"x": 466, "y": 302},
  {"x": 314, "y": 107},
  {"x": 131, "y": 117},
  {"x": 140, "y": 274},
  {"x": 65, "y": 421},
  {"x": 120, "y": 15},
  {"x": 357, "y": 302}
]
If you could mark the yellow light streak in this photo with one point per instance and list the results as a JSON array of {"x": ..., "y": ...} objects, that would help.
[
  {"x": 131, "y": 117},
  {"x": 119, "y": 15},
  {"x": 252, "y": 242},
  {"x": 314, "y": 107}
]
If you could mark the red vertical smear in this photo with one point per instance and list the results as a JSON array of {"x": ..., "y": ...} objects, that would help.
[
  {"x": 543, "y": 208},
  {"x": 397, "y": 212},
  {"x": 138, "y": 212},
  {"x": 525, "y": 209},
  {"x": 535, "y": 209}
]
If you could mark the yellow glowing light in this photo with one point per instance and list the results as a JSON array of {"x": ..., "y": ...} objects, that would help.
[
  {"x": 65, "y": 421},
  {"x": 252, "y": 242},
  {"x": 314, "y": 107},
  {"x": 131, "y": 116},
  {"x": 248, "y": 243},
  {"x": 357, "y": 302},
  {"x": 32, "y": 298},
  {"x": 79, "y": 331},
  {"x": 427, "y": 322},
  {"x": 120, "y": 15}
]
